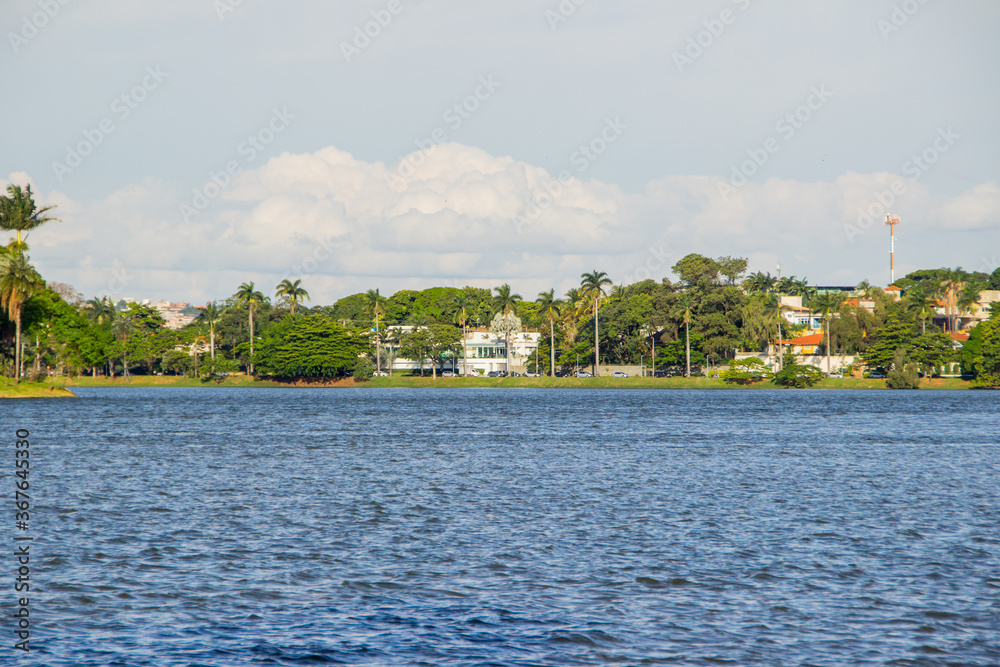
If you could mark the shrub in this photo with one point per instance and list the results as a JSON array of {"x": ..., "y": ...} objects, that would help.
[
  {"x": 903, "y": 374},
  {"x": 797, "y": 376},
  {"x": 364, "y": 369},
  {"x": 745, "y": 371}
]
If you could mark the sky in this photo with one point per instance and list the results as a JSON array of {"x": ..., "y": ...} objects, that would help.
[{"x": 194, "y": 145}]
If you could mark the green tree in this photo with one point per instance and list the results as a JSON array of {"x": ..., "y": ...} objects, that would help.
[
  {"x": 758, "y": 282},
  {"x": 123, "y": 326},
  {"x": 903, "y": 374},
  {"x": 984, "y": 347},
  {"x": 363, "y": 369},
  {"x": 247, "y": 296},
  {"x": 376, "y": 309},
  {"x": 732, "y": 268},
  {"x": 100, "y": 310},
  {"x": 176, "y": 362},
  {"x": 797, "y": 376},
  {"x": 313, "y": 345},
  {"x": 994, "y": 282},
  {"x": 921, "y": 305},
  {"x": 444, "y": 341},
  {"x": 548, "y": 307},
  {"x": 894, "y": 334},
  {"x": 464, "y": 302},
  {"x": 18, "y": 212},
  {"x": 417, "y": 346},
  {"x": 292, "y": 292},
  {"x": 827, "y": 305},
  {"x": 950, "y": 284},
  {"x": 209, "y": 316},
  {"x": 697, "y": 270},
  {"x": 19, "y": 281},
  {"x": 592, "y": 287},
  {"x": 686, "y": 303},
  {"x": 745, "y": 371},
  {"x": 505, "y": 303}
]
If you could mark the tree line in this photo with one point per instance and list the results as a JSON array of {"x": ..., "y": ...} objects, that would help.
[{"x": 713, "y": 309}]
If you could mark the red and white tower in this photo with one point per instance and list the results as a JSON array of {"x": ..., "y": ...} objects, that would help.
[{"x": 891, "y": 221}]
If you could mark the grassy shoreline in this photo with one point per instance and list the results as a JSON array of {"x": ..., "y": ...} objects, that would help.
[
  {"x": 35, "y": 390},
  {"x": 61, "y": 387}
]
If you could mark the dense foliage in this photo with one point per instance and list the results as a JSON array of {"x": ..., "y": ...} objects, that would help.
[{"x": 714, "y": 310}]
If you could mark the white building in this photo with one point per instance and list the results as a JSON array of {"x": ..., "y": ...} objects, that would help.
[{"x": 481, "y": 352}]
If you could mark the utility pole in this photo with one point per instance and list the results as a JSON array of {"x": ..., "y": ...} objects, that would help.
[{"x": 891, "y": 221}]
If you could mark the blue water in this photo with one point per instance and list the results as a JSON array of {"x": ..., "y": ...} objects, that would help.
[{"x": 511, "y": 527}]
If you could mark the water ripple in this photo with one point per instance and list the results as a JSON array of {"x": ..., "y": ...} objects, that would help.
[{"x": 495, "y": 527}]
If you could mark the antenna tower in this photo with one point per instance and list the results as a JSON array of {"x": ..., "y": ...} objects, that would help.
[{"x": 891, "y": 221}]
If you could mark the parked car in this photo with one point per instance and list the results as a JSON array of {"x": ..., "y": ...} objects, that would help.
[
  {"x": 619, "y": 374},
  {"x": 584, "y": 374},
  {"x": 877, "y": 375},
  {"x": 497, "y": 374},
  {"x": 515, "y": 374},
  {"x": 381, "y": 374},
  {"x": 447, "y": 374},
  {"x": 839, "y": 376},
  {"x": 532, "y": 375}
]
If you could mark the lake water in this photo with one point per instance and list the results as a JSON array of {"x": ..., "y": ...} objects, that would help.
[{"x": 510, "y": 527}]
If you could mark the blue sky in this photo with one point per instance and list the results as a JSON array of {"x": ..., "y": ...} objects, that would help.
[{"x": 479, "y": 143}]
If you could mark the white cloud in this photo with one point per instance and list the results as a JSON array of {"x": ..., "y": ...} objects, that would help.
[
  {"x": 976, "y": 208},
  {"x": 337, "y": 222}
]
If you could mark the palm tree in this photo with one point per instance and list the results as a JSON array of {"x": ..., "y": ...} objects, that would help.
[
  {"x": 123, "y": 325},
  {"x": 210, "y": 315},
  {"x": 968, "y": 297},
  {"x": 463, "y": 301},
  {"x": 773, "y": 309},
  {"x": 786, "y": 285},
  {"x": 292, "y": 292},
  {"x": 827, "y": 304},
  {"x": 951, "y": 283},
  {"x": 592, "y": 287},
  {"x": 685, "y": 303},
  {"x": 922, "y": 305},
  {"x": 548, "y": 308},
  {"x": 19, "y": 281},
  {"x": 505, "y": 301},
  {"x": 18, "y": 212},
  {"x": 374, "y": 302},
  {"x": 569, "y": 316},
  {"x": 759, "y": 282},
  {"x": 100, "y": 310},
  {"x": 246, "y": 295}
]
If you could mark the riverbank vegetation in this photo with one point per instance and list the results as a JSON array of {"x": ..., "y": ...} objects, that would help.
[{"x": 712, "y": 311}]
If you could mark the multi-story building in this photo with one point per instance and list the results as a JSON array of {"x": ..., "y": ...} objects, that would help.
[{"x": 479, "y": 352}]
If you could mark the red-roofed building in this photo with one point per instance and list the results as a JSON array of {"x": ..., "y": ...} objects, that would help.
[
  {"x": 807, "y": 344},
  {"x": 895, "y": 292}
]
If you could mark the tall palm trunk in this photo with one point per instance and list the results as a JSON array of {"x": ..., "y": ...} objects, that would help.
[
  {"x": 687, "y": 347},
  {"x": 378, "y": 347},
  {"x": 597, "y": 345},
  {"x": 211, "y": 337},
  {"x": 552, "y": 347},
  {"x": 250, "y": 365},
  {"x": 17, "y": 347}
]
